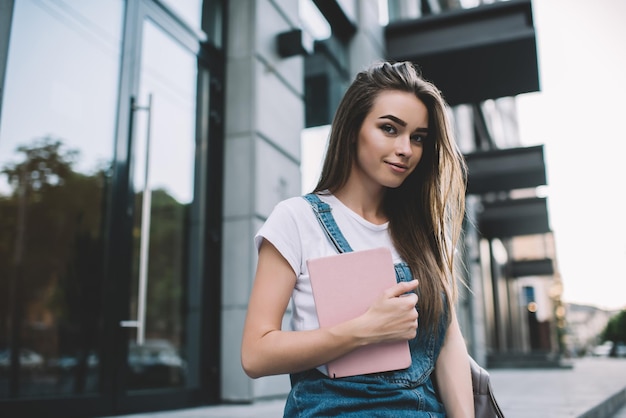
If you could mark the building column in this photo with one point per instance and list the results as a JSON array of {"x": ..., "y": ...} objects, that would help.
[{"x": 264, "y": 119}]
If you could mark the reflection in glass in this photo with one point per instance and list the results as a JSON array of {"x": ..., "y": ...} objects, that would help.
[
  {"x": 56, "y": 143},
  {"x": 163, "y": 181}
]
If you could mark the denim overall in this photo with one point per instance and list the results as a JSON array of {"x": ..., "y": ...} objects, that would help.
[{"x": 402, "y": 393}]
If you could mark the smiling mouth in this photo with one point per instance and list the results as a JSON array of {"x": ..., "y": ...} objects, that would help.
[{"x": 398, "y": 165}]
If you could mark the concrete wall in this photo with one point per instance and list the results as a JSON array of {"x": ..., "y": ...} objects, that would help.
[{"x": 264, "y": 118}]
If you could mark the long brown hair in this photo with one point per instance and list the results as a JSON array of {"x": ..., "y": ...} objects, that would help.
[{"x": 426, "y": 212}]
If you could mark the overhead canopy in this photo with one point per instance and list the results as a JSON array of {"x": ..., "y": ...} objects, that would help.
[
  {"x": 505, "y": 169},
  {"x": 473, "y": 54},
  {"x": 514, "y": 217},
  {"x": 539, "y": 267}
]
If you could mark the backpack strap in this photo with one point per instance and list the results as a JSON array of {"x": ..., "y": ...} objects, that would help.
[{"x": 324, "y": 216}]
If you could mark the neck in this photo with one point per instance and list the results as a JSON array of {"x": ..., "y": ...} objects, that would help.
[{"x": 364, "y": 201}]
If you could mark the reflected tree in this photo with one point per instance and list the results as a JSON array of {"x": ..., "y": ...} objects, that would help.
[
  {"x": 52, "y": 246},
  {"x": 51, "y": 255}
]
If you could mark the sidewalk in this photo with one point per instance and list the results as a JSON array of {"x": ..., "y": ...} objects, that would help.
[{"x": 593, "y": 388}]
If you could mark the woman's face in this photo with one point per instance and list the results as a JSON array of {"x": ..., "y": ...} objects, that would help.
[{"x": 391, "y": 139}]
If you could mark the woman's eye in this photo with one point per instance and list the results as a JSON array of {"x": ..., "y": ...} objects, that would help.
[
  {"x": 417, "y": 138},
  {"x": 388, "y": 129}
]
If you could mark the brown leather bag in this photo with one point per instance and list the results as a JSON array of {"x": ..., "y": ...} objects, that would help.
[{"x": 485, "y": 404}]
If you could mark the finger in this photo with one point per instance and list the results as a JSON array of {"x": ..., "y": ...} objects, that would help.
[
  {"x": 410, "y": 298},
  {"x": 403, "y": 287}
]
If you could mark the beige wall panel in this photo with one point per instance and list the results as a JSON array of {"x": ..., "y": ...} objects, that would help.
[
  {"x": 264, "y": 117},
  {"x": 238, "y": 177},
  {"x": 238, "y": 262},
  {"x": 236, "y": 385},
  {"x": 270, "y": 22},
  {"x": 240, "y": 92},
  {"x": 280, "y": 112},
  {"x": 241, "y": 28},
  {"x": 277, "y": 177},
  {"x": 272, "y": 386}
]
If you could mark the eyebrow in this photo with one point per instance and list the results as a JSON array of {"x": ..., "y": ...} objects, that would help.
[{"x": 402, "y": 123}]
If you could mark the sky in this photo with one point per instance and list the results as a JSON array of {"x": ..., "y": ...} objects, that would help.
[{"x": 579, "y": 116}]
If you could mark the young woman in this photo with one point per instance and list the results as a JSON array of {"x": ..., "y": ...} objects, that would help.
[{"x": 394, "y": 178}]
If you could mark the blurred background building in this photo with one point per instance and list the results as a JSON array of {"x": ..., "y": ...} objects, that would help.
[
  {"x": 585, "y": 326},
  {"x": 144, "y": 142}
]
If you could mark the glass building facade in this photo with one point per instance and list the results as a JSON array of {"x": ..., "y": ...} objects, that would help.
[{"x": 110, "y": 133}]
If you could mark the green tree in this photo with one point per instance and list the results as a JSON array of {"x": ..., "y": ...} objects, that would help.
[
  {"x": 50, "y": 248},
  {"x": 615, "y": 330}
]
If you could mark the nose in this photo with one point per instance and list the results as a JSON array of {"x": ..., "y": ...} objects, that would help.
[{"x": 403, "y": 146}]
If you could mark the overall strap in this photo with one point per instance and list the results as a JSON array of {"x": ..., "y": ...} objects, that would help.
[{"x": 327, "y": 221}]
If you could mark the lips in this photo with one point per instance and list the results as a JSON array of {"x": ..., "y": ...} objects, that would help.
[{"x": 399, "y": 167}]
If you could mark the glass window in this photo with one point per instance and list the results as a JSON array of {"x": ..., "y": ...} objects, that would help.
[
  {"x": 57, "y": 131},
  {"x": 163, "y": 182}
]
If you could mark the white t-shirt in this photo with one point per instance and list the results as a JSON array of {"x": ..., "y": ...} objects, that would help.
[{"x": 294, "y": 230}]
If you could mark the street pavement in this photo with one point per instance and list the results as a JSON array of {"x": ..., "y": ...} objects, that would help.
[{"x": 592, "y": 388}]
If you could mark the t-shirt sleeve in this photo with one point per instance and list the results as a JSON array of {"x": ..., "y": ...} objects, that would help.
[{"x": 281, "y": 229}]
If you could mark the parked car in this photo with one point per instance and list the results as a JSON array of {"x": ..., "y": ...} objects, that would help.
[
  {"x": 28, "y": 359},
  {"x": 602, "y": 350},
  {"x": 68, "y": 363},
  {"x": 156, "y": 363}
]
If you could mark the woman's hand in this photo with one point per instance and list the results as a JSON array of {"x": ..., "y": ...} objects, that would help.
[{"x": 392, "y": 317}]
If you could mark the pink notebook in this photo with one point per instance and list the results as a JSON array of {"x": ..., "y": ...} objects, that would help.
[{"x": 344, "y": 287}]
